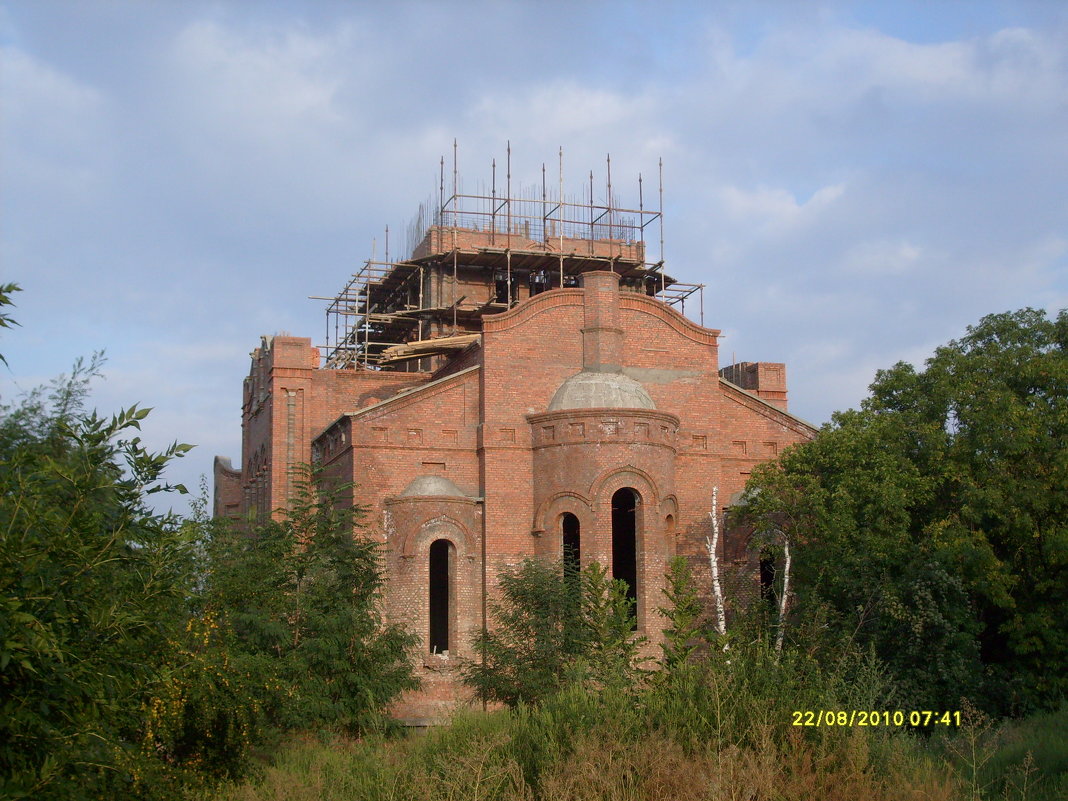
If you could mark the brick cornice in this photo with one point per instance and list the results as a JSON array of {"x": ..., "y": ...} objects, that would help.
[
  {"x": 552, "y": 299},
  {"x": 655, "y": 308}
]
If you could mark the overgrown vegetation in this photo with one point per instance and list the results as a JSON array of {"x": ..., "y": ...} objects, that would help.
[
  {"x": 284, "y": 635},
  {"x": 142, "y": 655},
  {"x": 92, "y": 589},
  {"x": 713, "y": 725},
  {"x": 714, "y": 731}
]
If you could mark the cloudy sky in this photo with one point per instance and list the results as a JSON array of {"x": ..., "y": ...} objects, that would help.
[{"x": 854, "y": 182}]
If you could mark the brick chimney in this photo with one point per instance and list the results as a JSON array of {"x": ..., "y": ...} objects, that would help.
[{"x": 602, "y": 338}]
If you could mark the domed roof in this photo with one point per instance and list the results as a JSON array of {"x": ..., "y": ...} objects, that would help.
[
  {"x": 432, "y": 485},
  {"x": 588, "y": 390}
]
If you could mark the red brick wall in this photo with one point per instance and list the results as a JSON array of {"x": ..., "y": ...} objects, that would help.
[
  {"x": 288, "y": 400},
  {"x": 228, "y": 495},
  {"x": 442, "y": 239}
]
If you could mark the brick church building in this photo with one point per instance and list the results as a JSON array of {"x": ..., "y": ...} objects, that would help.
[{"x": 523, "y": 381}]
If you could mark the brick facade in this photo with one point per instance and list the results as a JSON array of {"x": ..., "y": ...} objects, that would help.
[{"x": 472, "y": 455}]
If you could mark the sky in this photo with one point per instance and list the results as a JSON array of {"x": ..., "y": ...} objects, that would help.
[{"x": 854, "y": 182}]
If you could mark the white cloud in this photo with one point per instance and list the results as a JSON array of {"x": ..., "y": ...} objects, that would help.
[
  {"x": 53, "y": 128},
  {"x": 882, "y": 257},
  {"x": 773, "y": 211}
]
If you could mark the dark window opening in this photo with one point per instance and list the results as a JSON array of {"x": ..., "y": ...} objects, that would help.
[
  {"x": 767, "y": 576},
  {"x": 624, "y": 541},
  {"x": 571, "y": 280},
  {"x": 441, "y": 563},
  {"x": 539, "y": 282},
  {"x": 500, "y": 286},
  {"x": 572, "y": 553}
]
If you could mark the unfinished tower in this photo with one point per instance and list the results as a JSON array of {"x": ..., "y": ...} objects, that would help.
[
  {"x": 480, "y": 254},
  {"x": 524, "y": 379}
]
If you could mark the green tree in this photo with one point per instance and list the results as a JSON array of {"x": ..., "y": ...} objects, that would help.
[
  {"x": 934, "y": 520},
  {"x": 551, "y": 627},
  {"x": 92, "y": 585},
  {"x": 684, "y": 612},
  {"x": 288, "y": 636}
]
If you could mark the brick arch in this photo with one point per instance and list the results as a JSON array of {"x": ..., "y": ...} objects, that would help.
[
  {"x": 635, "y": 478},
  {"x": 555, "y": 505},
  {"x": 773, "y": 536},
  {"x": 441, "y": 527}
]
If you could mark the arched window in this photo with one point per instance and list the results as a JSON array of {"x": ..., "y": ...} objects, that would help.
[
  {"x": 442, "y": 595},
  {"x": 624, "y": 540},
  {"x": 569, "y": 525}
]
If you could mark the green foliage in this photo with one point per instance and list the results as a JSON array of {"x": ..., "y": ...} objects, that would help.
[
  {"x": 549, "y": 628},
  {"x": 142, "y": 656},
  {"x": 6, "y": 321},
  {"x": 684, "y": 631},
  {"x": 92, "y": 586},
  {"x": 288, "y": 636},
  {"x": 610, "y": 655},
  {"x": 933, "y": 522}
]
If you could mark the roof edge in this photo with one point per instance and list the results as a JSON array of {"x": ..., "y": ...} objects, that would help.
[
  {"x": 771, "y": 406},
  {"x": 410, "y": 393}
]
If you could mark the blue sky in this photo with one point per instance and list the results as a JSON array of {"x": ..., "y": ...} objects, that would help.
[{"x": 855, "y": 183}]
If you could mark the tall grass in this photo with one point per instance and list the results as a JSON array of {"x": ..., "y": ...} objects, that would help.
[
  {"x": 719, "y": 730},
  {"x": 1023, "y": 759}
]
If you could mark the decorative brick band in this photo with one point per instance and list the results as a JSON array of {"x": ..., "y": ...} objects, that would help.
[{"x": 594, "y": 426}]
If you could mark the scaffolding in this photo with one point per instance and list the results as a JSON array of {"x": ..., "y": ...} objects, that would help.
[{"x": 481, "y": 253}]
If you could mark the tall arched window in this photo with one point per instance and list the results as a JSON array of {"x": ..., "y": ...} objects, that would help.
[
  {"x": 442, "y": 596},
  {"x": 569, "y": 525},
  {"x": 624, "y": 540}
]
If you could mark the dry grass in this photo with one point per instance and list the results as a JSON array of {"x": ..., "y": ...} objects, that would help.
[
  {"x": 601, "y": 766},
  {"x": 693, "y": 740}
]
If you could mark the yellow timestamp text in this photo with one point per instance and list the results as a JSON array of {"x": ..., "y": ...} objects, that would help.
[{"x": 873, "y": 717}]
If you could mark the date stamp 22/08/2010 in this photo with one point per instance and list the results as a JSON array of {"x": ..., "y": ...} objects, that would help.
[{"x": 864, "y": 717}]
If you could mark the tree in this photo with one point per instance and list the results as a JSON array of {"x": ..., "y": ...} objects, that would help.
[
  {"x": 292, "y": 608},
  {"x": 684, "y": 617},
  {"x": 92, "y": 585},
  {"x": 934, "y": 520},
  {"x": 549, "y": 629}
]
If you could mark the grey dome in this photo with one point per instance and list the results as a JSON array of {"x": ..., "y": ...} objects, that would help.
[
  {"x": 588, "y": 390},
  {"x": 432, "y": 485}
]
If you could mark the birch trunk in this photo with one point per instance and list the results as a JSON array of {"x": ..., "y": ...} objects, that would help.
[
  {"x": 785, "y": 594},
  {"x": 713, "y": 561}
]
